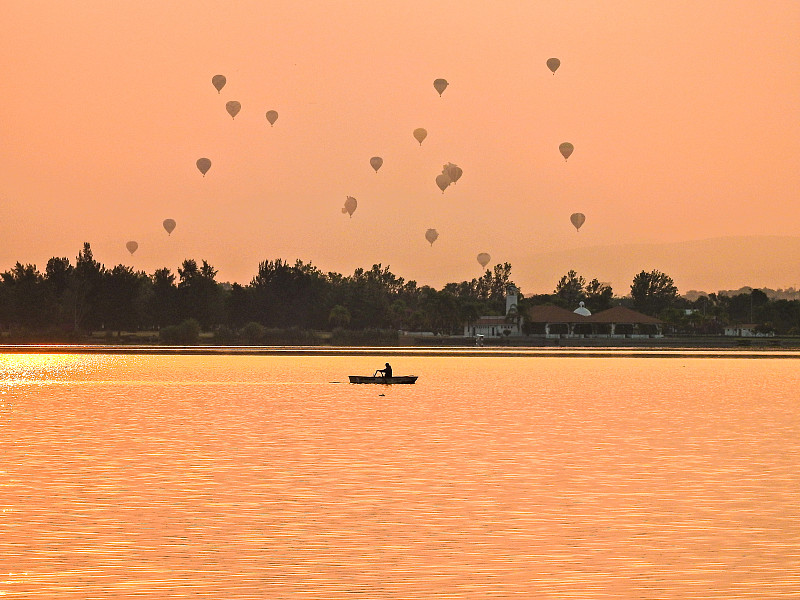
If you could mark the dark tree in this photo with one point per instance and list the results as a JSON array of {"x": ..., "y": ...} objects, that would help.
[
  {"x": 85, "y": 290},
  {"x": 501, "y": 278},
  {"x": 486, "y": 294},
  {"x": 443, "y": 311},
  {"x": 653, "y": 292},
  {"x": 598, "y": 296},
  {"x": 570, "y": 289},
  {"x": 27, "y": 301},
  {"x": 123, "y": 291},
  {"x": 199, "y": 295},
  {"x": 163, "y": 302},
  {"x": 368, "y": 296},
  {"x": 339, "y": 316},
  {"x": 290, "y": 295},
  {"x": 239, "y": 306},
  {"x": 783, "y": 315},
  {"x": 58, "y": 277}
]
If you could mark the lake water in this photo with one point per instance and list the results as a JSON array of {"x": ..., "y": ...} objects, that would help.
[{"x": 553, "y": 476}]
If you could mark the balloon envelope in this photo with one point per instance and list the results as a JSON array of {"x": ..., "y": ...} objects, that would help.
[
  {"x": 454, "y": 172},
  {"x": 376, "y": 162},
  {"x": 203, "y": 164},
  {"x": 577, "y": 220},
  {"x": 443, "y": 181},
  {"x": 132, "y": 247},
  {"x": 233, "y": 107},
  {"x": 431, "y": 235},
  {"x": 272, "y": 116},
  {"x": 566, "y": 149},
  {"x": 350, "y": 206},
  {"x": 484, "y": 259},
  {"x": 219, "y": 82},
  {"x": 440, "y": 85},
  {"x": 420, "y": 134},
  {"x": 169, "y": 225},
  {"x": 553, "y": 64}
]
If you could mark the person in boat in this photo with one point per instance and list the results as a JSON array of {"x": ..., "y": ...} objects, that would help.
[{"x": 387, "y": 372}]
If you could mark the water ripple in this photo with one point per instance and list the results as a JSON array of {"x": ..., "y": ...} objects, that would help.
[{"x": 253, "y": 477}]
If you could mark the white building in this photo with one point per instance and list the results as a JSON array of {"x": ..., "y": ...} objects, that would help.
[
  {"x": 745, "y": 330},
  {"x": 498, "y": 325},
  {"x": 582, "y": 310}
]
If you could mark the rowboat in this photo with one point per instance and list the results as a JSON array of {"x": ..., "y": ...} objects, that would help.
[{"x": 396, "y": 379}]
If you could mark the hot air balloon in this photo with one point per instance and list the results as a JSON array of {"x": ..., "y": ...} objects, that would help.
[
  {"x": 203, "y": 164},
  {"x": 169, "y": 225},
  {"x": 443, "y": 181},
  {"x": 431, "y": 235},
  {"x": 566, "y": 149},
  {"x": 553, "y": 64},
  {"x": 272, "y": 116},
  {"x": 420, "y": 134},
  {"x": 440, "y": 85},
  {"x": 577, "y": 220},
  {"x": 484, "y": 259},
  {"x": 132, "y": 246},
  {"x": 233, "y": 107},
  {"x": 350, "y": 206},
  {"x": 454, "y": 172},
  {"x": 219, "y": 82},
  {"x": 376, "y": 162}
]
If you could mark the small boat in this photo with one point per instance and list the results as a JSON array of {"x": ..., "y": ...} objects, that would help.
[{"x": 395, "y": 379}]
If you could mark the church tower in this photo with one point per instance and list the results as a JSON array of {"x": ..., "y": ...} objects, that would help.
[{"x": 511, "y": 299}]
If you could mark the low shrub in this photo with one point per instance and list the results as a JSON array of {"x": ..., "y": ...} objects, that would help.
[
  {"x": 185, "y": 333},
  {"x": 253, "y": 333},
  {"x": 365, "y": 337}
]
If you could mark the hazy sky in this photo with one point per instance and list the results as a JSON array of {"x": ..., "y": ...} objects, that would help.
[{"x": 685, "y": 117}]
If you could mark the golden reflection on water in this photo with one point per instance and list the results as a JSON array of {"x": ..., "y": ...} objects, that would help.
[{"x": 257, "y": 477}]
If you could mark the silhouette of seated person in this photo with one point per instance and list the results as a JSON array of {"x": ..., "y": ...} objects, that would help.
[{"x": 387, "y": 372}]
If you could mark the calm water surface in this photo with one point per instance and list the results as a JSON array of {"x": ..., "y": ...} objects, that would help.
[{"x": 268, "y": 477}]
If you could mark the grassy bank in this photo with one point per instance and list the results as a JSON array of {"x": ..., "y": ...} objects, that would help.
[{"x": 382, "y": 339}]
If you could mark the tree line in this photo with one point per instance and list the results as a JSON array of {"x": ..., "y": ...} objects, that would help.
[
  {"x": 71, "y": 301},
  {"x": 654, "y": 293},
  {"x": 285, "y": 302}
]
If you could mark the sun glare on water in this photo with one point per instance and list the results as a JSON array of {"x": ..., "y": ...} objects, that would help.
[{"x": 38, "y": 369}]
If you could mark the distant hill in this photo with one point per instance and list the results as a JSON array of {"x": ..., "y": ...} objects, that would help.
[{"x": 710, "y": 265}]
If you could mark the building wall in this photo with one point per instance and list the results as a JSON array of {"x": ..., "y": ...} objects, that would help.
[
  {"x": 511, "y": 299},
  {"x": 490, "y": 330}
]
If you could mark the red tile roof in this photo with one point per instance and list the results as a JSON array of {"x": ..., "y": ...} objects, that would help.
[
  {"x": 620, "y": 314},
  {"x": 547, "y": 313}
]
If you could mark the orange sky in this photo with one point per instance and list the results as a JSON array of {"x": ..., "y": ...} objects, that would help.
[{"x": 684, "y": 116}]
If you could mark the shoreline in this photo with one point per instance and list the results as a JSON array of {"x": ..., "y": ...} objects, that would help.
[{"x": 410, "y": 351}]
